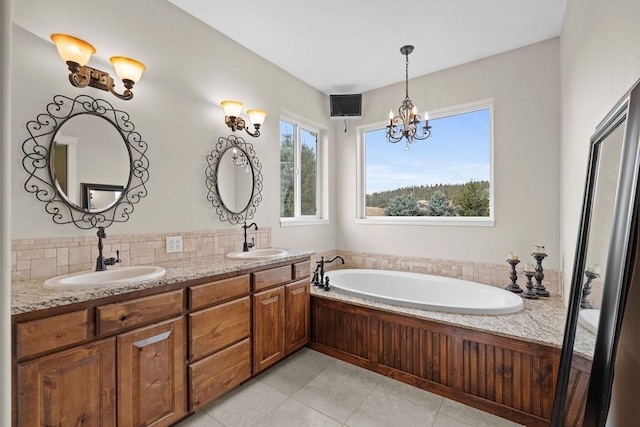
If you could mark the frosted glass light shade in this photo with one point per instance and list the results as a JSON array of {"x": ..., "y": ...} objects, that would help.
[
  {"x": 232, "y": 108},
  {"x": 127, "y": 68},
  {"x": 73, "y": 49},
  {"x": 257, "y": 116}
]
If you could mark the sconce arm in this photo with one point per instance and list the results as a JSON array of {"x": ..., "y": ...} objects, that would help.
[
  {"x": 256, "y": 133},
  {"x": 88, "y": 76}
]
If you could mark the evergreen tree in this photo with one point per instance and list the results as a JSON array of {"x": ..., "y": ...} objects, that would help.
[
  {"x": 440, "y": 205},
  {"x": 472, "y": 200},
  {"x": 287, "y": 177},
  {"x": 402, "y": 206},
  {"x": 308, "y": 180}
]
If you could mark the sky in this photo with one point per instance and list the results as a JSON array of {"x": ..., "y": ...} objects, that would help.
[{"x": 457, "y": 152}]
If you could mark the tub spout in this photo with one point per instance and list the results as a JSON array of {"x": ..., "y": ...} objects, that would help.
[{"x": 335, "y": 258}]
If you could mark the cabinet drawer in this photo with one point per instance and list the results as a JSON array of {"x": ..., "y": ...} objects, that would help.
[
  {"x": 127, "y": 314},
  {"x": 301, "y": 269},
  {"x": 215, "y": 292},
  {"x": 217, "y": 327},
  {"x": 41, "y": 335},
  {"x": 272, "y": 277},
  {"x": 212, "y": 377}
]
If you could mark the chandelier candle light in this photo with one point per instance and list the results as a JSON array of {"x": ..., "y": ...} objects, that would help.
[{"x": 407, "y": 124}]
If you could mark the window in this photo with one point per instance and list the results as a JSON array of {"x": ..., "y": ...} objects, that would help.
[
  {"x": 444, "y": 179},
  {"x": 299, "y": 171}
]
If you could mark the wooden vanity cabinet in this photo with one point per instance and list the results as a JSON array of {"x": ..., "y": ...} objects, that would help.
[
  {"x": 297, "y": 315},
  {"x": 133, "y": 375},
  {"x": 219, "y": 343},
  {"x": 280, "y": 313},
  {"x": 150, "y": 360},
  {"x": 69, "y": 388},
  {"x": 268, "y": 328},
  {"x": 151, "y": 374}
]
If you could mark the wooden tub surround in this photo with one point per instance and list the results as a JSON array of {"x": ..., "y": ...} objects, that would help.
[
  {"x": 505, "y": 376},
  {"x": 153, "y": 356}
]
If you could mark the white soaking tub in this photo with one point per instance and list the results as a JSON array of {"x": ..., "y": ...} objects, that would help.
[{"x": 425, "y": 291}]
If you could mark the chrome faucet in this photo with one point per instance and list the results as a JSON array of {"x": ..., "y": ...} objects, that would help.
[
  {"x": 246, "y": 246},
  {"x": 101, "y": 262},
  {"x": 318, "y": 275}
]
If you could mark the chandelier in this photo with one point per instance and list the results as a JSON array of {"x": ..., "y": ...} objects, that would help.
[{"x": 407, "y": 124}]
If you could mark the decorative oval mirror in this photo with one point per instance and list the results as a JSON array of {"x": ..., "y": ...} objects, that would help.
[
  {"x": 90, "y": 164},
  {"x": 234, "y": 179},
  {"x": 85, "y": 162}
]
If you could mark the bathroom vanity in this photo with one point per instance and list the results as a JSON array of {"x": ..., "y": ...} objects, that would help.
[{"x": 152, "y": 354}]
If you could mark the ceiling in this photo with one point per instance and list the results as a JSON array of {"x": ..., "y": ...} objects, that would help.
[{"x": 353, "y": 46}]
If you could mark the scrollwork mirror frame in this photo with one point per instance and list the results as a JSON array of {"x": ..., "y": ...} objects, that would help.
[
  {"x": 37, "y": 162},
  {"x": 212, "y": 180}
]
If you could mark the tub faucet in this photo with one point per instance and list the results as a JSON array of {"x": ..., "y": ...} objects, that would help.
[
  {"x": 318, "y": 275},
  {"x": 101, "y": 262},
  {"x": 246, "y": 246}
]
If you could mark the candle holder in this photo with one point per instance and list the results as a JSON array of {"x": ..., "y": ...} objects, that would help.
[
  {"x": 586, "y": 289},
  {"x": 539, "y": 288},
  {"x": 513, "y": 286},
  {"x": 529, "y": 293}
]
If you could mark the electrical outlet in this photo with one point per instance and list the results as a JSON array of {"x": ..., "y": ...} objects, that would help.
[{"x": 174, "y": 244}]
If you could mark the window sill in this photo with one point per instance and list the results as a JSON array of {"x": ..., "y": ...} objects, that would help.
[
  {"x": 437, "y": 221},
  {"x": 296, "y": 222}
]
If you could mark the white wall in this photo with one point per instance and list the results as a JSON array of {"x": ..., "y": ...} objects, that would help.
[
  {"x": 600, "y": 60},
  {"x": 5, "y": 215},
  {"x": 190, "y": 69},
  {"x": 525, "y": 87}
]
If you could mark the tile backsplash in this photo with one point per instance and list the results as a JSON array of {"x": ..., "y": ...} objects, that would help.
[{"x": 47, "y": 257}]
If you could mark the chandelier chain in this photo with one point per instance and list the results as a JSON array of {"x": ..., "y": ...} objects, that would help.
[{"x": 406, "y": 76}]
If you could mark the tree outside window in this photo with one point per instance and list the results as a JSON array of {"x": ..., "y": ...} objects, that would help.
[{"x": 299, "y": 178}]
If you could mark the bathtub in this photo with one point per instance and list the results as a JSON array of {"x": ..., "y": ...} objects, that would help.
[{"x": 425, "y": 291}]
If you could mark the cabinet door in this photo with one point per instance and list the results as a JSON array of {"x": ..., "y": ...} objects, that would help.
[
  {"x": 69, "y": 388},
  {"x": 297, "y": 299},
  {"x": 151, "y": 375},
  {"x": 268, "y": 328}
]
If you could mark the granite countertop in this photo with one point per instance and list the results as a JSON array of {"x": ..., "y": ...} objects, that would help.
[
  {"x": 541, "y": 321},
  {"x": 29, "y": 295}
]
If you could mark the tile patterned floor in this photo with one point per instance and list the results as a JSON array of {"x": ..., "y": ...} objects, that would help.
[{"x": 312, "y": 389}]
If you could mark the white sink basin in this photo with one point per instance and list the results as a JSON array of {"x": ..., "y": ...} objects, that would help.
[
  {"x": 99, "y": 279},
  {"x": 258, "y": 254},
  {"x": 589, "y": 318}
]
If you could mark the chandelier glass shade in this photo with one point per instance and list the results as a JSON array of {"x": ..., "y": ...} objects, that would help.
[{"x": 407, "y": 125}]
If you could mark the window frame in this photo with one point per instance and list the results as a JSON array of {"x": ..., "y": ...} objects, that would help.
[
  {"x": 298, "y": 218},
  {"x": 474, "y": 221}
]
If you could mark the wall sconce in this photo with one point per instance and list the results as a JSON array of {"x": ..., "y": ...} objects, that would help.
[
  {"x": 232, "y": 110},
  {"x": 77, "y": 52}
]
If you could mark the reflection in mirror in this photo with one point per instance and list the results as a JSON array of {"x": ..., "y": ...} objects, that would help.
[
  {"x": 85, "y": 140},
  {"x": 234, "y": 179},
  {"x": 88, "y": 148},
  {"x": 98, "y": 197},
  {"x": 609, "y": 150}
]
